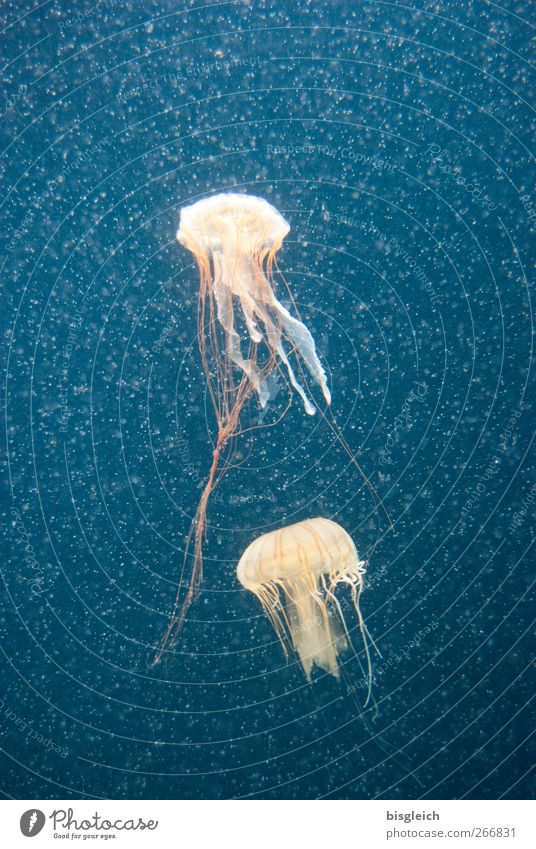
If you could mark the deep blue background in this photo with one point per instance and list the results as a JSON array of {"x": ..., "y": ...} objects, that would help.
[{"x": 109, "y": 125}]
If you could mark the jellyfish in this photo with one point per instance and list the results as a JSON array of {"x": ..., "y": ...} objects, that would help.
[
  {"x": 234, "y": 239},
  {"x": 295, "y": 572},
  {"x": 245, "y": 334}
]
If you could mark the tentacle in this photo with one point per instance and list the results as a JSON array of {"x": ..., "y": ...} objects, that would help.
[
  {"x": 301, "y": 338},
  {"x": 224, "y": 301}
]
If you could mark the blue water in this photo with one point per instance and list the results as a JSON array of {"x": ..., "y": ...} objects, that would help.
[{"x": 396, "y": 142}]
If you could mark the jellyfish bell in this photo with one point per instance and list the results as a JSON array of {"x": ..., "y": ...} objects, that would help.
[
  {"x": 294, "y": 572},
  {"x": 227, "y": 218}
]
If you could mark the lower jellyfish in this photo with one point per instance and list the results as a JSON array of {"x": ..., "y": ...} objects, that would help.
[{"x": 295, "y": 572}]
